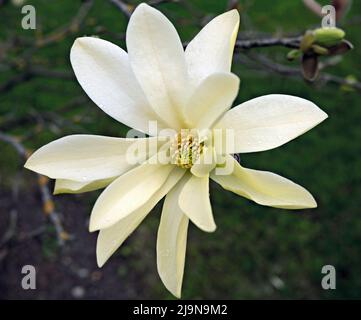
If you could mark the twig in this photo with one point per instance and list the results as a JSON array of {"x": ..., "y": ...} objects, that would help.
[
  {"x": 15, "y": 143},
  {"x": 159, "y": 2},
  {"x": 14, "y": 81},
  {"x": 74, "y": 26},
  {"x": 46, "y": 197},
  {"x": 49, "y": 209},
  {"x": 245, "y": 44},
  {"x": 44, "y": 72},
  {"x": 293, "y": 42},
  {"x": 125, "y": 8},
  {"x": 33, "y": 233},
  {"x": 10, "y": 232},
  {"x": 35, "y": 71},
  {"x": 296, "y": 72},
  {"x": 12, "y": 120},
  {"x": 232, "y": 4}
]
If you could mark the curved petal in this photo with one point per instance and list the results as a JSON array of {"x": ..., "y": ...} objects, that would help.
[
  {"x": 86, "y": 158},
  {"x": 110, "y": 239},
  {"x": 71, "y": 186},
  {"x": 265, "y": 188},
  {"x": 269, "y": 121},
  {"x": 127, "y": 193},
  {"x": 172, "y": 242},
  {"x": 157, "y": 58},
  {"x": 104, "y": 72},
  {"x": 194, "y": 202},
  {"x": 205, "y": 164},
  {"x": 211, "y": 99},
  {"x": 211, "y": 49}
]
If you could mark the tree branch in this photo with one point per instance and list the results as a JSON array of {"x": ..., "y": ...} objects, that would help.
[
  {"x": 72, "y": 27},
  {"x": 46, "y": 196},
  {"x": 296, "y": 72},
  {"x": 125, "y": 8},
  {"x": 35, "y": 71},
  {"x": 291, "y": 42}
]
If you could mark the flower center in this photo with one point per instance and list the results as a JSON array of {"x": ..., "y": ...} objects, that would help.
[{"x": 186, "y": 149}]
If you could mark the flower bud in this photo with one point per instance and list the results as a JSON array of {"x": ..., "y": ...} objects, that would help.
[
  {"x": 307, "y": 40},
  {"x": 294, "y": 54},
  {"x": 328, "y": 36},
  {"x": 320, "y": 50}
]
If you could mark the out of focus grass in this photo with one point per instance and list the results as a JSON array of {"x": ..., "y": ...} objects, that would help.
[{"x": 256, "y": 252}]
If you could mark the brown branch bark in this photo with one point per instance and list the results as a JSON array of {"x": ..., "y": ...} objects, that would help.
[
  {"x": 296, "y": 72},
  {"x": 291, "y": 42}
]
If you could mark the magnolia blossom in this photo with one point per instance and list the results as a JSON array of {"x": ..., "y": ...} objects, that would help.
[{"x": 192, "y": 89}]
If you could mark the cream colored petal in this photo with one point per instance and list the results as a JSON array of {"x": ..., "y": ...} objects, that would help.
[
  {"x": 265, "y": 188},
  {"x": 157, "y": 58},
  {"x": 71, "y": 186},
  {"x": 195, "y": 203},
  {"x": 86, "y": 158},
  {"x": 127, "y": 193},
  {"x": 172, "y": 242},
  {"x": 270, "y": 121},
  {"x": 104, "y": 72},
  {"x": 110, "y": 239},
  {"x": 205, "y": 164},
  {"x": 211, "y": 99},
  {"x": 212, "y": 48}
]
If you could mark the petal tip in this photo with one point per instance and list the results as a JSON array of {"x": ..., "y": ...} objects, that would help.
[
  {"x": 324, "y": 115},
  {"x": 80, "y": 41},
  {"x": 175, "y": 291},
  {"x": 100, "y": 261},
  {"x": 308, "y": 203},
  {"x": 212, "y": 228},
  {"x": 207, "y": 228},
  {"x": 28, "y": 163},
  {"x": 93, "y": 226},
  {"x": 100, "y": 222},
  {"x": 143, "y": 7},
  {"x": 234, "y": 13},
  {"x": 313, "y": 203}
]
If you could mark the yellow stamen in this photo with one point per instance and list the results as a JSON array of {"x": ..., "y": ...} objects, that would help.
[{"x": 186, "y": 149}]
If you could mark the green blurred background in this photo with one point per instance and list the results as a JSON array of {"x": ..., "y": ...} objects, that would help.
[{"x": 256, "y": 252}]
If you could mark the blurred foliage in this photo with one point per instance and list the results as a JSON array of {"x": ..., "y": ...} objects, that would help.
[{"x": 256, "y": 252}]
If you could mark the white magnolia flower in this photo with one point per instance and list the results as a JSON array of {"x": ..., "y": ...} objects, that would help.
[{"x": 157, "y": 80}]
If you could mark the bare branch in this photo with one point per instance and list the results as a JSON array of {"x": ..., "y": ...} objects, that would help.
[
  {"x": 20, "y": 149},
  {"x": 159, "y": 2},
  {"x": 73, "y": 26},
  {"x": 14, "y": 81},
  {"x": 46, "y": 196},
  {"x": 293, "y": 42},
  {"x": 44, "y": 72},
  {"x": 125, "y": 8},
  {"x": 35, "y": 71},
  {"x": 296, "y": 72}
]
